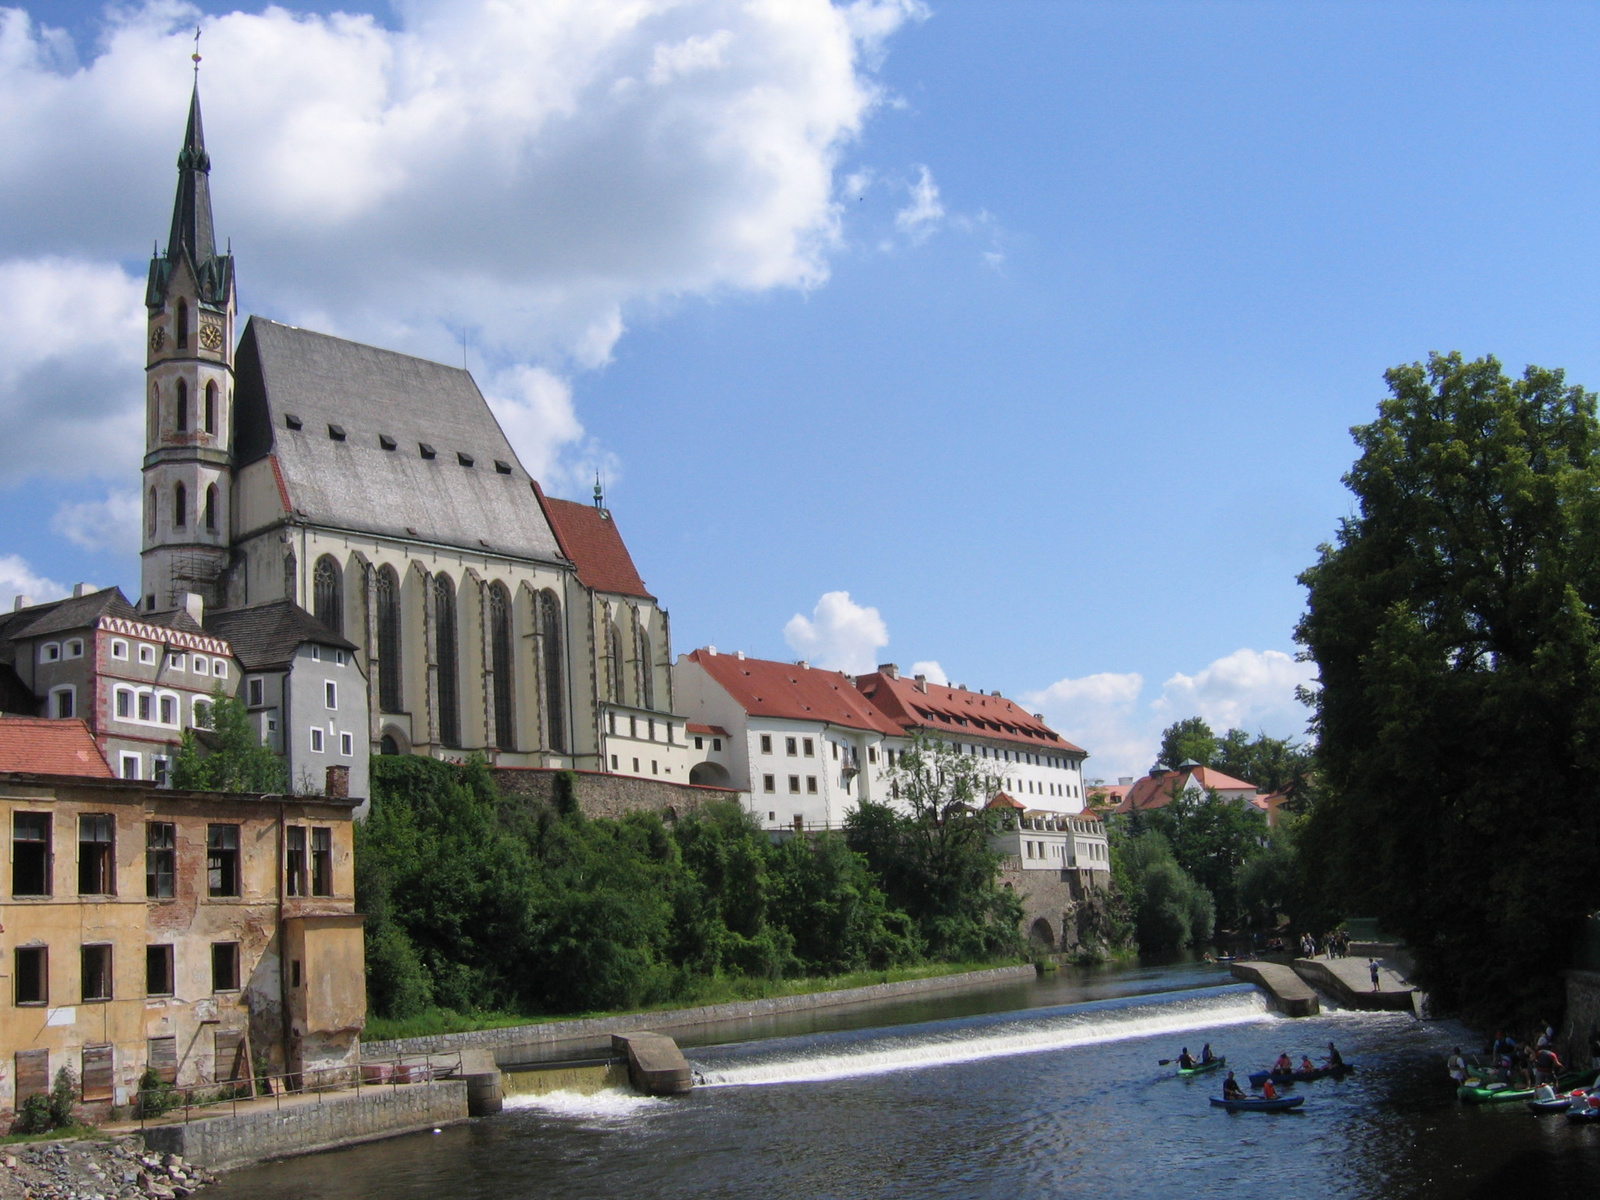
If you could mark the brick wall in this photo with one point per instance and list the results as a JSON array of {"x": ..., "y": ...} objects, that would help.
[{"x": 601, "y": 795}]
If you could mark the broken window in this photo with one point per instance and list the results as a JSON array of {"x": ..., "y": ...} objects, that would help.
[
  {"x": 322, "y": 861},
  {"x": 160, "y": 859},
  {"x": 294, "y": 866},
  {"x": 225, "y": 966},
  {"x": 33, "y": 975},
  {"x": 96, "y": 973},
  {"x": 222, "y": 860},
  {"x": 158, "y": 973},
  {"x": 96, "y": 855},
  {"x": 30, "y": 854}
]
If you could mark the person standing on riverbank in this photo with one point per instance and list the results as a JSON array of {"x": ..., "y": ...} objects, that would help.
[{"x": 1372, "y": 969}]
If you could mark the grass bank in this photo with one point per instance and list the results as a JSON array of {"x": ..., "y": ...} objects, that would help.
[{"x": 712, "y": 990}]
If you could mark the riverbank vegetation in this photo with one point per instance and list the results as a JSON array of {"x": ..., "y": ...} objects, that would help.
[
  {"x": 478, "y": 904},
  {"x": 1455, "y": 623}
]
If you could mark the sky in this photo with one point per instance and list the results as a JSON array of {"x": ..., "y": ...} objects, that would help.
[{"x": 1015, "y": 343}]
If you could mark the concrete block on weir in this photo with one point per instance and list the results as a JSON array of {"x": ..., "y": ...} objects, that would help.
[
  {"x": 655, "y": 1064},
  {"x": 1286, "y": 991}
]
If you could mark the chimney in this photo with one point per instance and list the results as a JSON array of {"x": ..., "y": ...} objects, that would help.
[
  {"x": 802, "y": 664},
  {"x": 21, "y": 602},
  {"x": 739, "y": 654},
  {"x": 79, "y": 590},
  {"x": 922, "y": 683},
  {"x": 996, "y": 692},
  {"x": 195, "y": 607},
  {"x": 889, "y": 669},
  {"x": 338, "y": 786},
  {"x": 1039, "y": 717},
  {"x": 712, "y": 651}
]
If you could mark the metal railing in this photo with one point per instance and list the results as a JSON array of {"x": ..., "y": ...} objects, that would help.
[{"x": 161, "y": 1105}]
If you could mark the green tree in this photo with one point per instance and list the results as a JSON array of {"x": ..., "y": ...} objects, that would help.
[
  {"x": 1212, "y": 838},
  {"x": 226, "y": 755},
  {"x": 934, "y": 860},
  {"x": 1272, "y": 764},
  {"x": 1453, "y": 623},
  {"x": 1186, "y": 739},
  {"x": 1170, "y": 910}
]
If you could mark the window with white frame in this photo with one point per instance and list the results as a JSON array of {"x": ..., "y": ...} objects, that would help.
[
  {"x": 147, "y": 701},
  {"x": 159, "y": 766},
  {"x": 119, "y": 649},
  {"x": 147, "y": 654},
  {"x": 347, "y": 744},
  {"x": 124, "y": 703},
  {"x": 130, "y": 766},
  {"x": 63, "y": 702},
  {"x": 316, "y": 739},
  {"x": 50, "y": 652},
  {"x": 219, "y": 667},
  {"x": 316, "y": 653},
  {"x": 202, "y": 665},
  {"x": 177, "y": 662},
  {"x": 330, "y": 695},
  {"x": 255, "y": 692},
  {"x": 74, "y": 648},
  {"x": 169, "y": 710},
  {"x": 202, "y": 712}
]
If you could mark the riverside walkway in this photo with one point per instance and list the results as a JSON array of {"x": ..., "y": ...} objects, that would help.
[
  {"x": 1287, "y": 992},
  {"x": 1349, "y": 981}
]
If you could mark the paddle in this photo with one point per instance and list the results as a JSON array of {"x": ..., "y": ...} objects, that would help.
[{"x": 1162, "y": 1062}]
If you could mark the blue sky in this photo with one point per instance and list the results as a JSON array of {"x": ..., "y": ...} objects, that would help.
[{"x": 1046, "y": 348}]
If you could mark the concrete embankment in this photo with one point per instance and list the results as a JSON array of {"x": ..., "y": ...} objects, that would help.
[
  {"x": 1286, "y": 991},
  {"x": 1349, "y": 981},
  {"x": 523, "y": 1044},
  {"x": 265, "y": 1129}
]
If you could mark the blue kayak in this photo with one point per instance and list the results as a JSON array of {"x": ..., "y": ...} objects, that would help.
[{"x": 1259, "y": 1103}]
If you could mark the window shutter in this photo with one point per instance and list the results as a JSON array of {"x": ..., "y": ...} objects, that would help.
[
  {"x": 97, "y": 1072},
  {"x": 230, "y": 1062},
  {"x": 163, "y": 1054},
  {"x": 33, "y": 1073}
]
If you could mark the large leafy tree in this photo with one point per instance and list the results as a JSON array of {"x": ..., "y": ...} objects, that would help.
[
  {"x": 226, "y": 754},
  {"x": 1454, "y": 625},
  {"x": 1186, "y": 739}
]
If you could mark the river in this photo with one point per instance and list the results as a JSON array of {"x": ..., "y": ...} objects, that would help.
[{"x": 1036, "y": 1090}]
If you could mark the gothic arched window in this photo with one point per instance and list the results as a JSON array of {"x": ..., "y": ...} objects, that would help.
[
  {"x": 388, "y": 588},
  {"x": 211, "y": 507},
  {"x": 327, "y": 593},
  {"x": 444, "y": 605},
  {"x": 181, "y": 412},
  {"x": 614, "y": 661},
  {"x": 183, "y": 325},
  {"x": 180, "y": 506},
  {"x": 505, "y": 733},
  {"x": 647, "y": 675},
  {"x": 150, "y": 513},
  {"x": 211, "y": 406},
  {"x": 554, "y": 679}
]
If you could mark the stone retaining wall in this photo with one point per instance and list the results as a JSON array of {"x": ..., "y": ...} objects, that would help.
[
  {"x": 341, "y": 1119},
  {"x": 604, "y": 795},
  {"x": 1583, "y": 1015},
  {"x": 530, "y": 1043}
]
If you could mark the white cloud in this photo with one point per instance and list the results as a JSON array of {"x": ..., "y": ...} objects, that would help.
[
  {"x": 920, "y": 219},
  {"x": 71, "y": 334},
  {"x": 840, "y": 634},
  {"x": 110, "y": 524},
  {"x": 17, "y": 578},
  {"x": 529, "y": 172},
  {"x": 1099, "y": 713},
  {"x": 1248, "y": 689},
  {"x": 932, "y": 670}
]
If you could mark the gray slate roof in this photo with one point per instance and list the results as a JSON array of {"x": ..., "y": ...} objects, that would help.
[
  {"x": 75, "y": 612},
  {"x": 265, "y": 636},
  {"x": 331, "y": 386}
]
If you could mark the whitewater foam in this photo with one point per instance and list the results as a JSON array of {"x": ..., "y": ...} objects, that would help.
[
  {"x": 606, "y": 1105},
  {"x": 1061, "y": 1031}
]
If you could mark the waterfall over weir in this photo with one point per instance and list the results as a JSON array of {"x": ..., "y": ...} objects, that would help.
[{"x": 941, "y": 1043}]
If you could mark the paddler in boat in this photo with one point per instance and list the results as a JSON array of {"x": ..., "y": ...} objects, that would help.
[
  {"x": 1306, "y": 1065},
  {"x": 1231, "y": 1089},
  {"x": 1186, "y": 1060},
  {"x": 1333, "y": 1057},
  {"x": 1206, "y": 1055},
  {"x": 1284, "y": 1065},
  {"x": 1267, "y": 1090}
]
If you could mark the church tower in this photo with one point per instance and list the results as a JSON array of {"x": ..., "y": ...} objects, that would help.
[{"x": 188, "y": 462}]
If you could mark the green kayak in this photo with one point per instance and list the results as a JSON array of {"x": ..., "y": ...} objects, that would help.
[
  {"x": 1477, "y": 1092},
  {"x": 1202, "y": 1068}
]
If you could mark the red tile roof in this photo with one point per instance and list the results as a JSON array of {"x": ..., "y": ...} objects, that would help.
[
  {"x": 589, "y": 537},
  {"x": 40, "y": 746},
  {"x": 1158, "y": 791},
  {"x": 777, "y": 689},
  {"x": 960, "y": 713},
  {"x": 1002, "y": 800},
  {"x": 714, "y": 730}
]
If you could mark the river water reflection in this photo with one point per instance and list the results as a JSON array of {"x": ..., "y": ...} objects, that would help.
[{"x": 1039, "y": 1090}]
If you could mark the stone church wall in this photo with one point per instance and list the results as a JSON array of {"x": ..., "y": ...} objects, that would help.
[{"x": 603, "y": 795}]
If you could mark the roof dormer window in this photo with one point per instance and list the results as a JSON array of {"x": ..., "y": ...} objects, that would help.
[
  {"x": 502, "y": 467},
  {"x": 290, "y": 421},
  {"x": 465, "y": 459},
  {"x": 336, "y": 432},
  {"x": 426, "y": 450},
  {"x": 386, "y": 442}
]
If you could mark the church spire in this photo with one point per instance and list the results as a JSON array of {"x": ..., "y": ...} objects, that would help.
[{"x": 193, "y": 236}]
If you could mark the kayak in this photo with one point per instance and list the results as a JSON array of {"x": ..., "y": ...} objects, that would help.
[
  {"x": 1494, "y": 1093},
  {"x": 1584, "y": 1115},
  {"x": 1554, "y": 1104},
  {"x": 1202, "y": 1068},
  {"x": 1286, "y": 1078},
  {"x": 1259, "y": 1103}
]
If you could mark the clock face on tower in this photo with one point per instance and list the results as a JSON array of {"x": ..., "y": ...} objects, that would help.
[
  {"x": 211, "y": 336},
  {"x": 158, "y": 337}
]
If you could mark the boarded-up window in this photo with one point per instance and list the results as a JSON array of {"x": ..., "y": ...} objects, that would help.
[
  {"x": 33, "y": 1073},
  {"x": 230, "y": 1062},
  {"x": 164, "y": 1058},
  {"x": 97, "y": 1072}
]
